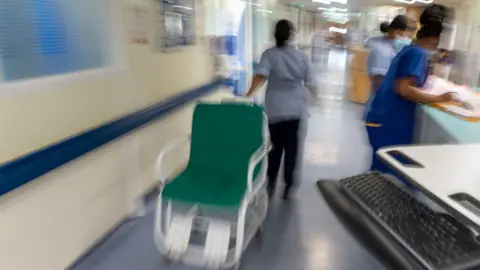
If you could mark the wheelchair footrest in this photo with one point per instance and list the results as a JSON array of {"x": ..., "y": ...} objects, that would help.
[
  {"x": 217, "y": 244},
  {"x": 178, "y": 237}
]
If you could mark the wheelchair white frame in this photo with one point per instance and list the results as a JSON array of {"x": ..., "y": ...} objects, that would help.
[{"x": 255, "y": 199}]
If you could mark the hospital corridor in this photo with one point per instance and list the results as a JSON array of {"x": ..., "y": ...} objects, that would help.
[
  {"x": 299, "y": 234},
  {"x": 239, "y": 135}
]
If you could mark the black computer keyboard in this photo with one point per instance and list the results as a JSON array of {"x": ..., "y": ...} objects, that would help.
[{"x": 437, "y": 239}]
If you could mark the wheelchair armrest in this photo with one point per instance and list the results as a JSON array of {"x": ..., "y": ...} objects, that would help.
[
  {"x": 159, "y": 175},
  {"x": 255, "y": 159}
]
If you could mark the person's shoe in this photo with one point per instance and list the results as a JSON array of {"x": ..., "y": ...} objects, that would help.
[
  {"x": 270, "y": 193},
  {"x": 287, "y": 194}
]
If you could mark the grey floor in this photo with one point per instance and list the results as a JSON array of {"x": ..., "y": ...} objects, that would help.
[{"x": 301, "y": 234}]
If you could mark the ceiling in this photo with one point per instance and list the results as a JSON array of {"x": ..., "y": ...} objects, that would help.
[{"x": 352, "y": 5}]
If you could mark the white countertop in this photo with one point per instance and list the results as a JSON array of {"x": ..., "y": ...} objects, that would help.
[{"x": 447, "y": 170}]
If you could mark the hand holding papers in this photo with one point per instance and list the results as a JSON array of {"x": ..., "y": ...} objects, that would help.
[{"x": 468, "y": 101}]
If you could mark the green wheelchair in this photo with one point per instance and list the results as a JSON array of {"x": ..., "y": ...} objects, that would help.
[{"x": 208, "y": 214}]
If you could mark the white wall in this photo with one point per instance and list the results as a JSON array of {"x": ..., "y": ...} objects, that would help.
[{"x": 48, "y": 223}]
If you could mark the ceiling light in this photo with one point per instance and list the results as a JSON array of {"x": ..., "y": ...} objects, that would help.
[
  {"x": 329, "y": 14},
  {"x": 339, "y": 9},
  {"x": 253, "y": 4},
  {"x": 264, "y": 10},
  {"x": 405, "y": 1},
  {"x": 339, "y": 21},
  {"x": 326, "y": 2},
  {"x": 414, "y": 1},
  {"x": 334, "y": 10},
  {"x": 338, "y": 30}
]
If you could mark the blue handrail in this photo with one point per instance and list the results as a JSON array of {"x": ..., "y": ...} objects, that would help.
[{"x": 22, "y": 170}]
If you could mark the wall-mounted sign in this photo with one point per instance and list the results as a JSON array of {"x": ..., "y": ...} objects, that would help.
[
  {"x": 138, "y": 24},
  {"x": 178, "y": 22}
]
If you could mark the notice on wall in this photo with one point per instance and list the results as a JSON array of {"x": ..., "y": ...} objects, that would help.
[
  {"x": 138, "y": 20},
  {"x": 178, "y": 23}
]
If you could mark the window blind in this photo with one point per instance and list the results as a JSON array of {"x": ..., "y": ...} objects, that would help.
[{"x": 46, "y": 37}]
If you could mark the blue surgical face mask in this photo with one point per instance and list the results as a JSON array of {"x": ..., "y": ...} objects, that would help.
[{"x": 400, "y": 43}]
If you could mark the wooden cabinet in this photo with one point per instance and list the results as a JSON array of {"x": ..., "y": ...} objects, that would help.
[{"x": 360, "y": 88}]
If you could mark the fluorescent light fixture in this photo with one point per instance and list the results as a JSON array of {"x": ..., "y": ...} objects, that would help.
[
  {"x": 339, "y": 9},
  {"x": 414, "y": 1},
  {"x": 338, "y": 30},
  {"x": 253, "y": 4},
  {"x": 339, "y": 21},
  {"x": 328, "y": 2},
  {"x": 264, "y": 10},
  {"x": 337, "y": 15},
  {"x": 333, "y": 9},
  {"x": 405, "y": 1}
]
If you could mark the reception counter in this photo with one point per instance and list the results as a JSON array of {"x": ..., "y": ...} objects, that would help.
[{"x": 436, "y": 127}]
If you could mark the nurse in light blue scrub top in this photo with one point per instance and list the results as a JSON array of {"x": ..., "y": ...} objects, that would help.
[
  {"x": 390, "y": 119},
  {"x": 290, "y": 76},
  {"x": 372, "y": 40}
]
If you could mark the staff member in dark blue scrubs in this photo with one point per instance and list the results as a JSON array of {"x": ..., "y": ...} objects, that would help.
[
  {"x": 390, "y": 119},
  {"x": 384, "y": 50}
]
